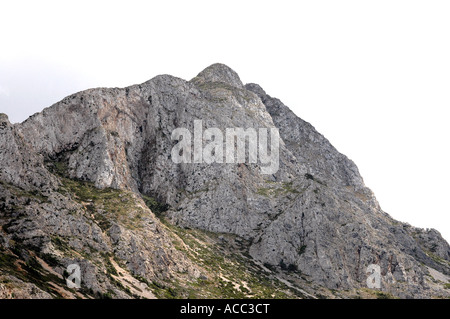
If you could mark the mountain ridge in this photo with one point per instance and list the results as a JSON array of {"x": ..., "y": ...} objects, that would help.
[{"x": 313, "y": 222}]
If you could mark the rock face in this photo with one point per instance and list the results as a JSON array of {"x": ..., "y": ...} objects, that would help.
[{"x": 90, "y": 180}]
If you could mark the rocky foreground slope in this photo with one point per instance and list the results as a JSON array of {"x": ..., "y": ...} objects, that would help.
[{"x": 90, "y": 181}]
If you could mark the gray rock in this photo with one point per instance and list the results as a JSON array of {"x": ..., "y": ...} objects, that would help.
[{"x": 314, "y": 215}]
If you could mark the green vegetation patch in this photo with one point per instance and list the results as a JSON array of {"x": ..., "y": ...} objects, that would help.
[
  {"x": 105, "y": 205},
  {"x": 277, "y": 189},
  {"x": 31, "y": 195},
  {"x": 384, "y": 295},
  {"x": 156, "y": 207},
  {"x": 30, "y": 270},
  {"x": 231, "y": 272}
]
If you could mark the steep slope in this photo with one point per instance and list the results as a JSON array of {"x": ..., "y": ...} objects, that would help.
[
  {"x": 49, "y": 222},
  {"x": 91, "y": 180}
]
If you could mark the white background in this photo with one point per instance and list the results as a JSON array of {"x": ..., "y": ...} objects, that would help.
[{"x": 372, "y": 76}]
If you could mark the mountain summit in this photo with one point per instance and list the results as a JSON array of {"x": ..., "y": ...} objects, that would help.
[
  {"x": 219, "y": 73},
  {"x": 90, "y": 182}
]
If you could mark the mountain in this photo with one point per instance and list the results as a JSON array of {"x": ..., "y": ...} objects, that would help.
[{"x": 91, "y": 181}]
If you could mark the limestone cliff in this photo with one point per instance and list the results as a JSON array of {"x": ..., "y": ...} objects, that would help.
[{"x": 90, "y": 180}]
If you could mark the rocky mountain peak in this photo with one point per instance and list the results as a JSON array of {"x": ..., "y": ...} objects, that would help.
[
  {"x": 91, "y": 181},
  {"x": 219, "y": 73},
  {"x": 4, "y": 120},
  {"x": 256, "y": 88}
]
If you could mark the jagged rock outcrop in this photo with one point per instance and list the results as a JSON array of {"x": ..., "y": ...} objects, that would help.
[{"x": 313, "y": 220}]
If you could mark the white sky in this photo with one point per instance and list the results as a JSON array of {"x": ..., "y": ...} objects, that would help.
[{"x": 372, "y": 76}]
